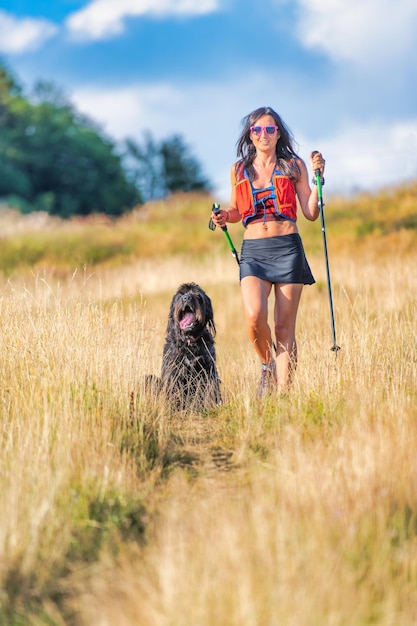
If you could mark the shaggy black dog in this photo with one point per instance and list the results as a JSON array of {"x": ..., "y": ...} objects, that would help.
[{"x": 189, "y": 374}]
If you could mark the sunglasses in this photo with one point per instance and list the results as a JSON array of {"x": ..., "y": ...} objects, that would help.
[{"x": 257, "y": 130}]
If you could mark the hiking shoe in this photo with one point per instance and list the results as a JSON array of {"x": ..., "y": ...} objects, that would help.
[{"x": 268, "y": 381}]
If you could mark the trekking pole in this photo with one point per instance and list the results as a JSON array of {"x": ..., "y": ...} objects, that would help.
[
  {"x": 212, "y": 226},
  {"x": 317, "y": 174}
]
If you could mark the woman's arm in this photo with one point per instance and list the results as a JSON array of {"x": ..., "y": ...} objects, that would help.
[{"x": 307, "y": 197}]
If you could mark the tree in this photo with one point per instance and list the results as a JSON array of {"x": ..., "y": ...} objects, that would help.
[
  {"x": 165, "y": 167},
  {"x": 12, "y": 104},
  {"x": 181, "y": 170},
  {"x": 54, "y": 159},
  {"x": 147, "y": 166}
]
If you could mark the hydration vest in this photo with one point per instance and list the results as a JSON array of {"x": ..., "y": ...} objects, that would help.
[{"x": 277, "y": 199}]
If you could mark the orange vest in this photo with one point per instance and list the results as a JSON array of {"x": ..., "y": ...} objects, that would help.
[{"x": 279, "y": 199}]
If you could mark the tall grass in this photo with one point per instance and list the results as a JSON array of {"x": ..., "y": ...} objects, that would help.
[{"x": 299, "y": 511}]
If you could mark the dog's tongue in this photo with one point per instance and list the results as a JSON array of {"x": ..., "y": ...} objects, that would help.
[{"x": 187, "y": 321}]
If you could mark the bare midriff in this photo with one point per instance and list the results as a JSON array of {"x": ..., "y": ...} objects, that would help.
[{"x": 273, "y": 228}]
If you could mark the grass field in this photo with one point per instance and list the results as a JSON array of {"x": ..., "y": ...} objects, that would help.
[{"x": 116, "y": 511}]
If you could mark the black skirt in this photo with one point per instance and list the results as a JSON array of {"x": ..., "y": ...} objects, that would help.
[{"x": 279, "y": 259}]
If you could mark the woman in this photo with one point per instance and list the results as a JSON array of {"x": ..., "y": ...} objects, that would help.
[{"x": 267, "y": 180}]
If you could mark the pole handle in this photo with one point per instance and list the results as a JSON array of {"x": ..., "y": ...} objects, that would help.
[
  {"x": 317, "y": 171},
  {"x": 216, "y": 209}
]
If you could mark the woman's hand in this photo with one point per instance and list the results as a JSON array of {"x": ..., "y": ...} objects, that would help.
[
  {"x": 317, "y": 162},
  {"x": 220, "y": 218}
]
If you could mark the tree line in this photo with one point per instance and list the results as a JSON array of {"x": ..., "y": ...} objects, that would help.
[{"x": 54, "y": 159}]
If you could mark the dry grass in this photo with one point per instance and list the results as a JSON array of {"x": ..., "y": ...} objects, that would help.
[{"x": 302, "y": 512}]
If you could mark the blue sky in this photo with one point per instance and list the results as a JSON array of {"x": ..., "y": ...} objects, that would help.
[{"x": 342, "y": 74}]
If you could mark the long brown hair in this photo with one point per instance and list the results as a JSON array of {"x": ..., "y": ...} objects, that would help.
[{"x": 285, "y": 153}]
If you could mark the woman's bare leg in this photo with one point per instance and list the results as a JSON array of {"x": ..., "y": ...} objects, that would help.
[
  {"x": 255, "y": 292},
  {"x": 287, "y": 299}
]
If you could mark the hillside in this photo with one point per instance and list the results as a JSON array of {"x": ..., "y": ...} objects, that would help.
[{"x": 178, "y": 225}]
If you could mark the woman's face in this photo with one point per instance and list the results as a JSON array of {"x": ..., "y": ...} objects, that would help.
[{"x": 264, "y": 134}]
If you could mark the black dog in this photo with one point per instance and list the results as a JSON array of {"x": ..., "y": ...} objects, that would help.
[{"x": 189, "y": 376}]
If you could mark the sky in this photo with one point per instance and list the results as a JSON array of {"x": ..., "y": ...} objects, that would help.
[{"x": 341, "y": 73}]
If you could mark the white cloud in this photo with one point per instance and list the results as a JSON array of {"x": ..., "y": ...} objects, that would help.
[
  {"x": 367, "y": 33},
  {"x": 102, "y": 19},
  {"x": 20, "y": 35},
  {"x": 372, "y": 156},
  {"x": 128, "y": 110}
]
